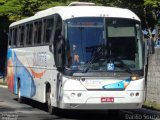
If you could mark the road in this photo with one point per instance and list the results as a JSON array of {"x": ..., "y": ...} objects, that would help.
[{"x": 10, "y": 109}]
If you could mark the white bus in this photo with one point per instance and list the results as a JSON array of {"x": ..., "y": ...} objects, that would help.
[{"x": 78, "y": 57}]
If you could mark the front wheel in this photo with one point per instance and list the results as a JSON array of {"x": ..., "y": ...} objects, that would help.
[
  {"x": 20, "y": 98},
  {"x": 50, "y": 108}
]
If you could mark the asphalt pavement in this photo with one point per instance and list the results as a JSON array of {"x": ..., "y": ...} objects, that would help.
[{"x": 10, "y": 109}]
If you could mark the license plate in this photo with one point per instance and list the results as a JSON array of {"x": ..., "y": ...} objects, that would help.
[{"x": 107, "y": 99}]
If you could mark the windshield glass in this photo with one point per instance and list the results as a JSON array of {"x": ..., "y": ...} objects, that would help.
[{"x": 103, "y": 44}]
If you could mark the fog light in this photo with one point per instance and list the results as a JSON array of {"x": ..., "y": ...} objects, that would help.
[
  {"x": 72, "y": 94},
  {"x": 137, "y": 94},
  {"x": 79, "y": 94},
  {"x": 131, "y": 94}
]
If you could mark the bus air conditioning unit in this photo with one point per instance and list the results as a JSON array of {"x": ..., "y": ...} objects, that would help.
[{"x": 82, "y": 4}]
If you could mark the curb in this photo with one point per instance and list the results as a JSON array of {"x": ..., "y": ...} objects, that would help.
[{"x": 3, "y": 86}]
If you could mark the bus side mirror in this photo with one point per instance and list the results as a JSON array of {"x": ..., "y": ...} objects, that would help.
[
  {"x": 60, "y": 44},
  {"x": 60, "y": 54}
]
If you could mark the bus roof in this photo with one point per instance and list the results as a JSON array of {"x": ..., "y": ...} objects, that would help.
[{"x": 67, "y": 12}]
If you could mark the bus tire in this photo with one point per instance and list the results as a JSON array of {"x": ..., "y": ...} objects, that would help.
[
  {"x": 50, "y": 108},
  {"x": 20, "y": 98}
]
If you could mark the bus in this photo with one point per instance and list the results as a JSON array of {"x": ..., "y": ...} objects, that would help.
[{"x": 79, "y": 57}]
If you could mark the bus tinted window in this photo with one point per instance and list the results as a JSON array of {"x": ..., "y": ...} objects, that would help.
[
  {"x": 37, "y": 32},
  {"x": 29, "y": 34},
  {"x": 10, "y": 36},
  {"x": 48, "y": 30},
  {"x": 21, "y": 33},
  {"x": 14, "y": 36},
  {"x": 44, "y": 30}
]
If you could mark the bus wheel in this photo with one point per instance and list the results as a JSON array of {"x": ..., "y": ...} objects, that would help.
[
  {"x": 49, "y": 106},
  {"x": 20, "y": 98}
]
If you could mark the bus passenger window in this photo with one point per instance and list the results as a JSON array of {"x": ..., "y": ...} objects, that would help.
[
  {"x": 29, "y": 34},
  {"x": 39, "y": 32},
  {"x": 10, "y": 36},
  {"x": 21, "y": 39},
  {"x": 44, "y": 30},
  {"x": 35, "y": 32},
  {"x": 48, "y": 30},
  {"x": 15, "y": 37}
]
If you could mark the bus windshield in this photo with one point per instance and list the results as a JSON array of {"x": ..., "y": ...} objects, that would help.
[{"x": 103, "y": 44}]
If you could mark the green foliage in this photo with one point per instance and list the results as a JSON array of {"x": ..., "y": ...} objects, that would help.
[
  {"x": 2, "y": 2},
  {"x": 10, "y": 8},
  {"x": 152, "y": 11},
  {"x": 152, "y": 3},
  {"x": 18, "y": 9},
  {"x": 152, "y": 105}
]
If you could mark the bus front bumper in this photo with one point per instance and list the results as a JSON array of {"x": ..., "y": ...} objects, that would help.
[{"x": 101, "y": 100}]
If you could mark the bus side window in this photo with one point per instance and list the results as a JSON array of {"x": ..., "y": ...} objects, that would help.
[
  {"x": 13, "y": 37},
  {"x": 21, "y": 36},
  {"x": 44, "y": 24},
  {"x": 10, "y": 37},
  {"x": 37, "y": 32},
  {"x": 29, "y": 31},
  {"x": 48, "y": 30}
]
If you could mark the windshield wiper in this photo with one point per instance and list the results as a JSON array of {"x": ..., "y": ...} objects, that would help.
[
  {"x": 127, "y": 68},
  {"x": 97, "y": 54}
]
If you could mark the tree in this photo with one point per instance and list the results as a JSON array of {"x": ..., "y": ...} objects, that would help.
[
  {"x": 152, "y": 11},
  {"x": 147, "y": 10}
]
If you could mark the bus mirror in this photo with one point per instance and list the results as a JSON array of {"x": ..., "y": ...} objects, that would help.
[
  {"x": 59, "y": 62},
  {"x": 60, "y": 53},
  {"x": 60, "y": 44},
  {"x": 60, "y": 37},
  {"x": 59, "y": 68}
]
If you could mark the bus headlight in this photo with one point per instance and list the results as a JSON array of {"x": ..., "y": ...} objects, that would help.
[
  {"x": 73, "y": 94},
  {"x": 79, "y": 94},
  {"x": 134, "y": 78}
]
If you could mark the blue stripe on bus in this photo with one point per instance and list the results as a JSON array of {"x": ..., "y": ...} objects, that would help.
[
  {"x": 28, "y": 88},
  {"x": 119, "y": 85}
]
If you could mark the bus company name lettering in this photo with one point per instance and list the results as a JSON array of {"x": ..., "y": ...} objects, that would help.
[{"x": 40, "y": 59}]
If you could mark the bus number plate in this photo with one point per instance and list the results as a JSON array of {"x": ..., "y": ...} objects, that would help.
[{"x": 107, "y": 99}]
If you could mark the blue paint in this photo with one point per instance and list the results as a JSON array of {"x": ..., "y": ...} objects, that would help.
[
  {"x": 28, "y": 88},
  {"x": 118, "y": 85}
]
